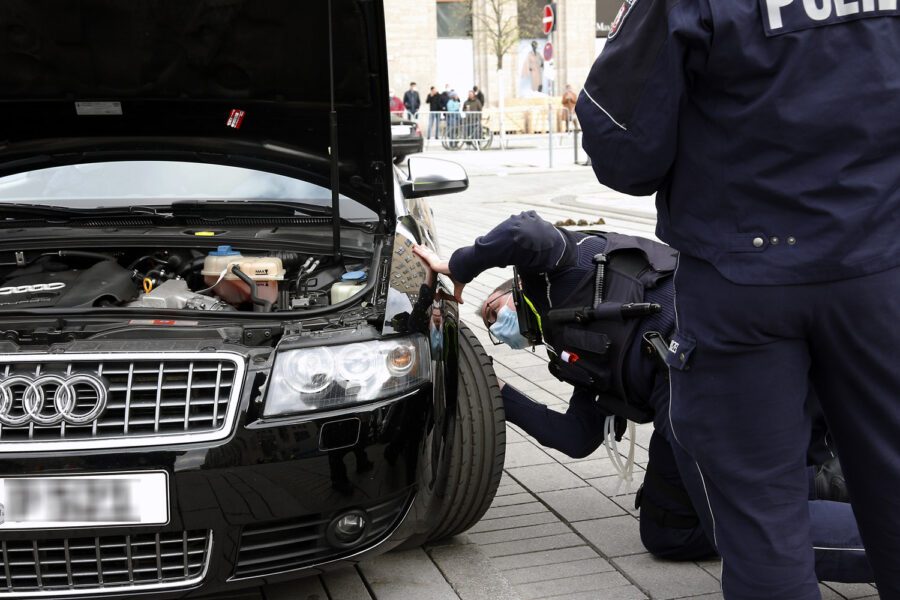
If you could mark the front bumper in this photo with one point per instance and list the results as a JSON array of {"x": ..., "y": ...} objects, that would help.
[{"x": 250, "y": 509}]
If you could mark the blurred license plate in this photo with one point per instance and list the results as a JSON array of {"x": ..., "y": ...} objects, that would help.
[
  {"x": 401, "y": 129},
  {"x": 84, "y": 500}
]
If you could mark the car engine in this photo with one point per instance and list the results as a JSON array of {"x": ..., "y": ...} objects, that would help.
[{"x": 223, "y": 279}]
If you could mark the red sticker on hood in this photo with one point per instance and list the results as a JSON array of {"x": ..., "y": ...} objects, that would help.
[{"x": 235, "y": 118}]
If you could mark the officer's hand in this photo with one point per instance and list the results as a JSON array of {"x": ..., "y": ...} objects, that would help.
[{"x": 433, "y": 261}]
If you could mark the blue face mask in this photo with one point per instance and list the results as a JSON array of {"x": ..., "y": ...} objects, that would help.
[{"x": 506, "y": 329}]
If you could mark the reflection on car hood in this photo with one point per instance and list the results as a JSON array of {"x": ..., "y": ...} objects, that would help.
[{"x": 241, "y": 82}]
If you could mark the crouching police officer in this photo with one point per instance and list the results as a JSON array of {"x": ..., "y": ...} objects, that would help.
[
  {"x": 600, "y": 302},
  {"x": 769, "y": 131}
]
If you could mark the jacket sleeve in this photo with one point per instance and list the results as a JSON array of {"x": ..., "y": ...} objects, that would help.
[
  {"x": 629, "y": 107},
  {"x": 524, "y": 240}
]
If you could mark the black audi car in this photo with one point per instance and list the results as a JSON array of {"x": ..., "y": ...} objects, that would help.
[{"x": 218, "y": 364}]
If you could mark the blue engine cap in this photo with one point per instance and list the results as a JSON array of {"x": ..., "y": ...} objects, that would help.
[
  {"x": 223, "y": 251},
  {"x": 354, "y": 276}
]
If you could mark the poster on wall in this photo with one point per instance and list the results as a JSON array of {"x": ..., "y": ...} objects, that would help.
[
  {"x": 606, "y": 14},
  {"x": 534, "y": 72}
]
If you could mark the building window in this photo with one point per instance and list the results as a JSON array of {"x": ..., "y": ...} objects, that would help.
[{"x": 454, "y": 18}]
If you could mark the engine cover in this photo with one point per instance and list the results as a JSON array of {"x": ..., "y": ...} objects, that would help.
[{"x": 106, "y": 280}]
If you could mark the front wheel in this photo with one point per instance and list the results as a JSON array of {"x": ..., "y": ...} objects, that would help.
[{"x": 476, "y": 463}]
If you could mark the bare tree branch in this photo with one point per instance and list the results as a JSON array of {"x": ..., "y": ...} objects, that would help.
[{"x": 500, "y": 27}]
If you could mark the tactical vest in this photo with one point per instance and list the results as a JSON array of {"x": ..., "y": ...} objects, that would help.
[{"x": 592, "y": 354}]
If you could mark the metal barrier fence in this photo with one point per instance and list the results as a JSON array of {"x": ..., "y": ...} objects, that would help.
[{"x": 516, "y": 127}]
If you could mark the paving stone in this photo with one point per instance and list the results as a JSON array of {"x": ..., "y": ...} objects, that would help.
[
  {"x": 540, "y": 518},
  {"x": 544, "y": 397},
  {"x": 501, "y": 512},
  {"x": 525, "y": 454},
  {"x": 308, "y": 588},
  {"x": 591, "y": 469},
  {"x": 543, "y": 478},
  {"x": 581, "y": 504},
  {"x": 519, "y": 382},
  {"x": 392, "y": 576},
  {"x": 513, "y": 435},
  {"x": 829, "y": 594},
  {"x": 522, "y": 498},
  {"x": 610, "y": 486},
  {"x": 546, "y": 557},
  {"x": 520, "y": 533},
  {"x": 617, "y": 593},
  {"x": 509, "y": 487},
  {"x": 472, "y": 574},
  {"x": 565, "y": 540},
  {"x": 585, "y": 566},
  {"x": 345, "y": 584},
  {"x": 666, "y": 579},
  {"x": 519, "y": 361},
  {"x": 712, "y": 566},
  {"x": 595, "y": 582},
  {"x": 852, "y": 591},
  {"x": 627, "y": 503},
  {"x": 613, "y": 536}
]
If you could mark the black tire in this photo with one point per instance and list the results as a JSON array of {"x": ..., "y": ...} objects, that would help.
[{"x": 477, "y": 460}]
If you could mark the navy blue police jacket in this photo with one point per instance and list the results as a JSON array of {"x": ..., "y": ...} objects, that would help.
[
  {"x": 768, "y": 128},
  {"x": 556, "y": 260}
]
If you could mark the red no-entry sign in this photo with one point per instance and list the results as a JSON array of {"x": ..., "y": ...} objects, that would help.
[{"x": 547, "y": 18}]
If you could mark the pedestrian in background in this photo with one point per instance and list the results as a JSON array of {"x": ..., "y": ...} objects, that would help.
[
  {"x": 769, "y": 133},
  {"x": 395, "y": 104},
  {"x": 569, "y": 99},
  {"x": 453, "y": 107},
  {"x": 412, "y": 102},
  {"x": 472, "y": 122},
  {"x": 478, "y": 95},
  {"x": 436, "y": 105}
]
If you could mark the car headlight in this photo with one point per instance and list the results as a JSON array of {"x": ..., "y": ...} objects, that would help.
[{"x": 329, "y": 377}]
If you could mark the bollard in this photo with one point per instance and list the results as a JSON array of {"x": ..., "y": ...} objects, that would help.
[{"x": 575, "y": 145}]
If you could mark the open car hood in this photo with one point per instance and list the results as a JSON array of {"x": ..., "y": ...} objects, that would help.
[{"x": 237, "y": 82}]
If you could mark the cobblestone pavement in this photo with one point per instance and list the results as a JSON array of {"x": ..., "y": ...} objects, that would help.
[{"x": 559, "y": 528}]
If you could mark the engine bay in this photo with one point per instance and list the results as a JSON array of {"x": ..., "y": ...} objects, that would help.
[{"x": 217, "y": 278}]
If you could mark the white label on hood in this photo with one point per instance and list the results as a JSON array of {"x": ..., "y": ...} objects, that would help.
[{"x": 98, "y": 108}]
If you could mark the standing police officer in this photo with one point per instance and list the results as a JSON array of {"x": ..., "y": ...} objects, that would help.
[{"x": 769, "y": 130}]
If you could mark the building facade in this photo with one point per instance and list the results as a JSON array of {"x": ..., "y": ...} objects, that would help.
[{"x": 450, "y": 42}]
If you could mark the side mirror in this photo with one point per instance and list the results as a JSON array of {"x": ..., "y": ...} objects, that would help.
[{"x": 433, "y": 177}]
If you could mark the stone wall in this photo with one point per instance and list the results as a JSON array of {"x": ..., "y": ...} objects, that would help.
[{"x": 411, "y": 44}]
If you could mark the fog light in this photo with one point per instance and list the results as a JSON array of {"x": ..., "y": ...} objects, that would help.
[{"x": 347, "y": 529}]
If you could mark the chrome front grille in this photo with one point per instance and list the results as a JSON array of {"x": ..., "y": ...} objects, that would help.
[
  {"x": 152, "y": 399},
  {"x": 105, "y": 564}
]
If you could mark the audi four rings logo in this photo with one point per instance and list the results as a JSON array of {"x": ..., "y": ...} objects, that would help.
[{"x": 50, "y": 399}]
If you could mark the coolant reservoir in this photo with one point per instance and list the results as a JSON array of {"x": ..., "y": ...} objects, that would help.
[
  {"x": 265, "y": 271},
  {"x": 351, "y": 283}
]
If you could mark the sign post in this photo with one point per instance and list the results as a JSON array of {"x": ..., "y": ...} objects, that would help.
[{"x": 548, "y": 21}]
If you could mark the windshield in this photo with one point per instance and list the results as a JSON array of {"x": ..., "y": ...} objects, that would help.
[{"x": 128, "y": 183}]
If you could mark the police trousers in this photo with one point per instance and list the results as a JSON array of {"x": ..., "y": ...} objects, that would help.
[
  {"x": 669, "y": 524},
  {"x": 742, "y": 363}
]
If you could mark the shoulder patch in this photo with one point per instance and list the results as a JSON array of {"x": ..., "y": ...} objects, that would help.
[{"x": 623, "y": 13}]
